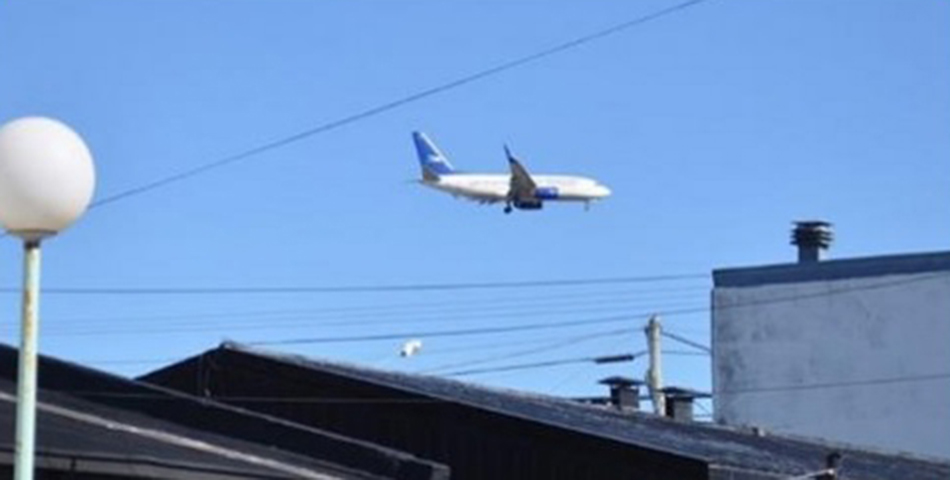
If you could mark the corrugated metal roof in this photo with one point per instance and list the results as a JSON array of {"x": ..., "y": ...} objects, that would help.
[
  {"x": 73, "y": 435},
  {"x": 136, "y": 418},
  {"x": 716, "y": 445}
]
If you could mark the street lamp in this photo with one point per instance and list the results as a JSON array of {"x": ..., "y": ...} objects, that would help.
[{"x": 46, "y": 183}]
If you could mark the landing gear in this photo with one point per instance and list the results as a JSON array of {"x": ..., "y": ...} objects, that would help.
[{"x": 507, "y": 209}]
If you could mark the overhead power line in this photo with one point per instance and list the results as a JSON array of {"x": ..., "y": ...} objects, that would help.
[
  {"x": 685, "y": 353},
  {"x": 385, "y": 107},
  {"x": 552, "y": 363},
  {"x": 685, "y": 341},
  {"x": 546, "y": 344},
  {"x": 550, "y": 342},
  {"x": 826, "y": 385},
  {"x": 364, "y": 315},
  {"x": 558, "y": 344},
  {"x": 267, "y": 320},
  {"x": 627, "y": 357},
  {"x": 517, "y": 284},
  {"x": 404, "y": 321},
  {"x": 443, "y": 286},
  {"x": 360, "y": 288},
  {"x": 447, "y": 333},
  {"x": 590, "y": 321},
  {"x": 439, "y": 350},
  {"x": 943, "y": 376},
  {"x": 170, "y": 360}
]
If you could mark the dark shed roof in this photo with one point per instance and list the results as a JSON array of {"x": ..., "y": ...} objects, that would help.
[
  {"x": 722, "y": 449},
  {"x": 81, "y": 400},
  {"x": 825, "y": 270},
  {"x": 74, "y": 436}
]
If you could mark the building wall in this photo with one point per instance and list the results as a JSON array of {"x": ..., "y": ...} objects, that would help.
[{"x": 823, "y": 359}]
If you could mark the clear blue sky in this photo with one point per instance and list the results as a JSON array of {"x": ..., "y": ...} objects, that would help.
[{"x": 715, "y": 127}]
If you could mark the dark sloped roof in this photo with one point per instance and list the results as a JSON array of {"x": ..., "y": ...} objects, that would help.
[
  {"x": 80, "y": 389},
  {"x": 825, "y": 270},
  {"x": 75, "y": 435},
  {"x": 720, "y": 447}
]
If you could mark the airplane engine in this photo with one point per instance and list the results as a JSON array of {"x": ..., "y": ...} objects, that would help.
[{"x": 546, "y": 193}]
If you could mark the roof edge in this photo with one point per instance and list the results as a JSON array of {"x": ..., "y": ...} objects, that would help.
[{"x": 848, "y": 268}]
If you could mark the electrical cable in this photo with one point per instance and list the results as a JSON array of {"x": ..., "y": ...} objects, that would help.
[
  {"x": 825, "y": 385},
  {"x": 528, "y": 366},
  {"x": 706, "y": 411},
  {"x": 167, "y": 327},
  {"x": 475, "y": 347},
  {"x": 575, "y": 323},
  {"x": 429, "y": 350},
  {"x": 550, "y": 344},
  {"x": 685, "y": 353},
  {"x": 531, "y": 351},
  {"x": 383, "y": 108},
  {"x": 470, "y": 347},
  {"x": 685, "y": 341},
  {"x": 273, "y": 325},
  {"x": 361, "y": 310},
  {"x": 356, "y": 288},
  {"x": 377, "y": 314},
  {"x": 446, "y": 333},
  {"x": 552, "y": 363}
]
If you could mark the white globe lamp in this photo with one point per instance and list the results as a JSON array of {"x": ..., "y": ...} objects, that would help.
[
  {"x": 46, "y": 182},
  {"x": 46, "y": 177}
]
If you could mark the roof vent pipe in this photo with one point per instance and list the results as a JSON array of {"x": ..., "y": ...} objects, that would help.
[
  {"x": 811, "y": 237},
  {"x": 679, "y": 402},
  {"x": 624, "y": 392}
]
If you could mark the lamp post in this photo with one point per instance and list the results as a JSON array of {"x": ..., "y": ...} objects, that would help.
[{"x": 46, "y": 183}]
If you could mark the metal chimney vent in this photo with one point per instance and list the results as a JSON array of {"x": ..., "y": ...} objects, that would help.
[
  {"x": 811, "y": 237},
  {"x": 679, "y": 402},
  {"x": 624, "y": 392}
]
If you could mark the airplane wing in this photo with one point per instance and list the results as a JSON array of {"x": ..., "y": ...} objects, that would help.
[{"x": 522, "y": 186}]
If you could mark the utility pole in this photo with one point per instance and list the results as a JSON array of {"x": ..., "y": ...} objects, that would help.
[{"x": 654, "y": 378}]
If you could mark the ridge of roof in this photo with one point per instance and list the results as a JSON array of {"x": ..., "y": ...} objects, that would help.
[
  {"x": 102, "y": 392},
  {"x": 107, "y": 436},
  {"x": 715, "y": 444}
]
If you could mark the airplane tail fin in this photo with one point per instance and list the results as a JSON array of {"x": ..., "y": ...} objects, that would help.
[{"x": 432, "y": 161}]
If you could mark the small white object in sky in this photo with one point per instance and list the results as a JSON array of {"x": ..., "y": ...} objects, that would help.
[{"x": 410, "y": 348}]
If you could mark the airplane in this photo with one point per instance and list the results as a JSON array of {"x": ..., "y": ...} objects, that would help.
[{"x": 518, "y": 189}]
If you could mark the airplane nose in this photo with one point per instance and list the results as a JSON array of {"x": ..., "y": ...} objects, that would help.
[{"x": 603, "y": 191}]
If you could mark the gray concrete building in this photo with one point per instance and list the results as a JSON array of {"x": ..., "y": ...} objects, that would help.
[{"x": 854, "y": 350}]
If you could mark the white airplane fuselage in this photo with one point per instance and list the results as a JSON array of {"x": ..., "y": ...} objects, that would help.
[
  {"x": 490, "y": 187},
  {"x": 517, "y": 189}
]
